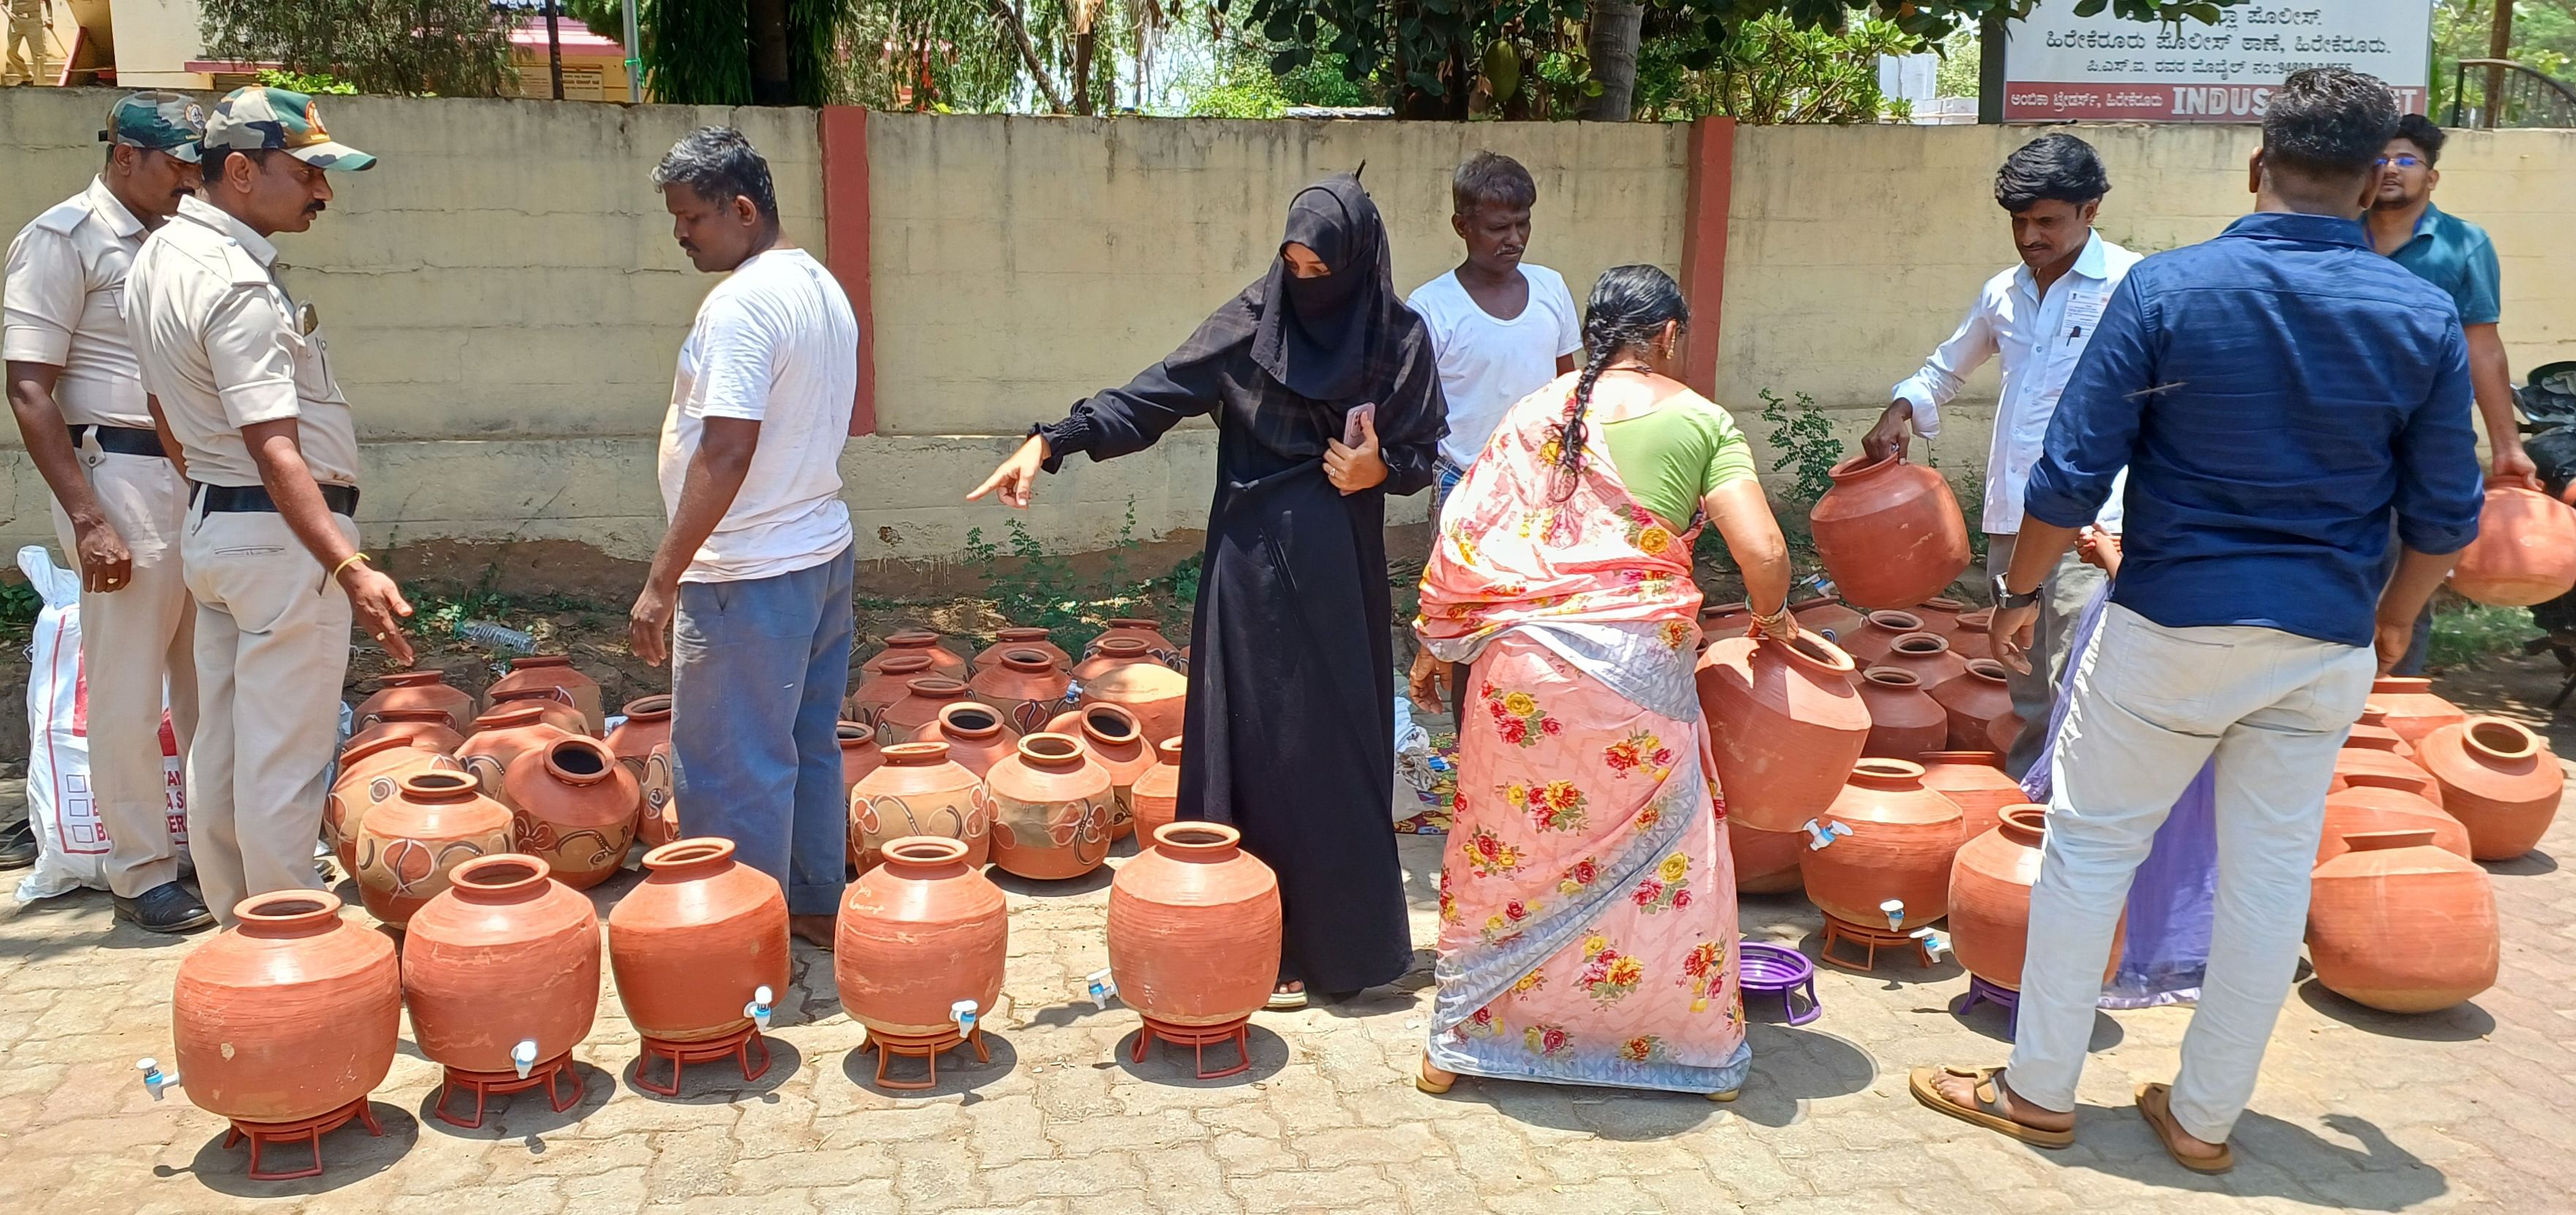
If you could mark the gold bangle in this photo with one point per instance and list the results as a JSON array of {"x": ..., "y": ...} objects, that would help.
[{"x": 346, "y": 562}]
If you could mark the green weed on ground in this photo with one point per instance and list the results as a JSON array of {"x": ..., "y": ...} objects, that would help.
[{"x": 2465, "y": 633}]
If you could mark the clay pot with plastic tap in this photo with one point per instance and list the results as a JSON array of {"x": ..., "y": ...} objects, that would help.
[
  {"x": 1928, "y": 656},
  {"x": 1136, "y": 628},
  {"x": 860, "y": 753},
  {"x": 1194, "y": 928},
  {"x": 1157, "y": 796},
  {"x": 1154, "y": 693},
  {"x": 288, "y": 1015},
  {"x": 1050, "y": 808},
  {"x": 1974, "y": 781},
  {"x": 1874, "y": 639},
  {"x": 1903, "y": 722},
  {"x": 920, "y": 705},
  {"x": 504, "y": 955},
  {"x": 1026, "y": 687},
  {"x": 573, "y": 806},
  {"x": 500, "y": 737},
  {"x": 884, "y": 686},
  {"x": 1022, "y": 639},
  {"x": 2525, "y": 550},
  {"x": 917, "y": 934},
  {"x": 918, "y": 790},
  {"x": 419, "y": 690},
  {"x": 1889, "y": 533},
  {"x": 1990, "y": 899},
  {"x": 920, "y": 643},
  {"x": 1115, "y": 740},
  {"x": 1980, "y": 708},
  {"x": 694, "y": 941},
  {"x": 407, "y": 846},
  {"x": 1827, "y": 617},
  {"x": 2376, "y": 802},
  {"x": 2410, "y": 707},
  {"x": 2402, "y": 926},
  {"x": 2498, "y": 779},
  {"x": 1786, "y": 722},
  {"x": 975, "y": 735},
  {"x": 554, "y": 675},
  {"x": 369, "y": 776},
  {"x": 1901, "y": 838},
  {"x": 427, "y": 727}
]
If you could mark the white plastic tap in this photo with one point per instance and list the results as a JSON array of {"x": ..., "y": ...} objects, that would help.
[
  {"x": 963, "y": 1013},
  {"x": 154, "y": 1079},
  {"x": 758, "y": 1010},
  {"x": 1935, "y": 942},
  {"x": 1823, "y": 832},
  {"x": 1894, "y": 910},
  {"x": 1102, "y": 988},
  {"x": 524, "y": 1056}
]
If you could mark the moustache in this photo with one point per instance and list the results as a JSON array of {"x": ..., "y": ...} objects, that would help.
[{"x": 315, "y": 207}]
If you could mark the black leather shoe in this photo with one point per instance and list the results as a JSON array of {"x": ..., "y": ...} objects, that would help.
[
  {"x": 18, "y": 844},
  {"x": 167, "y": 907}
]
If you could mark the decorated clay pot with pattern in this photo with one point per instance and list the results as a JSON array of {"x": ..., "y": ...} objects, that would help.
[
  {"x": 1974, "y": 781},
  {"x": 919, "y": 706},
  {"x": 1115, "y": 740},
  {"x": 1154, "y": 693},
  {"x": 1026, "y": 687},
  {"x": 647, "y": 725},
  {"x": 1136, "y": 628},
  {"x": 976, "y": 738},
  {"x": 694, "y": 941},
  {"x": 2525, "y": 550},
  {"x": 1827, "y": 617},
  {"x": 2371, "y": 802},
  {"x": 2409, "y": 707},
  {"x": 917, "y": 934},
  {"x": 919, "y": 643},
  {"x": 573, "y": 806},
  {"x": 1022, "y": 639},
  {"x": 917, "y": 790},
  {"x": 1194, "y": 928},
  {"x": 1766, "y": 862},
  {"x": 2498, "y": 779},
  {"x": 1050, "y": 809},
  {"x": 554, "y": 676},
  {"x": 2402, "y": 926},
  {"x": 367, "y": 778},
  {"x": 1980, "y": 708},
  {"x": 658, "y": 823},
  {"x": 1889, "y": 533},
  {"x": 1786, "y": 723},
  {"x": 2353, "y": 761},
  {"x": 408, "y": 845},
  {"x": 290, "y": 1014},
  {"x": 419, "y": 690},
  {"x": 504, "y": 955},
  {"x": 501, "y": 737},
  {"x": 1156, "y": 798},
  {"x": 860, "y": 753},
  {"x": 1875, "y": 638},
  {"x": 1990, "y": 899},
  {"x": 883, "y": 686},
  {"x": 427, "y": 727},
  {"x": 1903, "y": 722},
  {"x": 1901, "y": 839}
]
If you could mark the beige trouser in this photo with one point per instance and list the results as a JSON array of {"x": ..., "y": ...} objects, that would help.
[
  {"x": 133, "y": 638},
  {"x": 272, "y": 650},
  {"x": 26, "y": 45}
]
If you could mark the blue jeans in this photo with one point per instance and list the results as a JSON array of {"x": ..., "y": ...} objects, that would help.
[{"x": 757, "y": 672}]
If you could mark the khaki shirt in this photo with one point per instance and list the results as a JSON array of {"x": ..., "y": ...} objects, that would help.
[
  {"x": 220, "y": 344},
  {"x": 66, "y": 275}
]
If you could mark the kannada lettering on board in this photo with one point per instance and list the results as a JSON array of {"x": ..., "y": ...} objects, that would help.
[{"x": 2059, "y": 67}]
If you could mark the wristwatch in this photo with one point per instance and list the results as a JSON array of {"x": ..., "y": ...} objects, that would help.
[{"x": 2005, "y": 600}]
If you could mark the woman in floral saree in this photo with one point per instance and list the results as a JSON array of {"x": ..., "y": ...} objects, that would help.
[{"x": 1587, "y": 905}]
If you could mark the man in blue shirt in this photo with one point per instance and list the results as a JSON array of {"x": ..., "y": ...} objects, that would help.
[{"x": 2277, "y": 394}]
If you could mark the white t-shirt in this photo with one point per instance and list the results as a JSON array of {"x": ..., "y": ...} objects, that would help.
[
  {"x": 775, "y": 343},
  {"x": 1487, "y": 364}
]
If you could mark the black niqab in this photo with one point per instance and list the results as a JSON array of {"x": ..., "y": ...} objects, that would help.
[{"x": 1318, "y": 336}]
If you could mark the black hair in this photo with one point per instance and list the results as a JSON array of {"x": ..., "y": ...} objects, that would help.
[
  {"x": 2328, "y": 123},
  {"x": 1487, "y": 177},
  {"x": 1629, "y": 306},
  {"x": 718, "y": 164},
  {"x": 222, "y": 164},
  {"x": 2056, "y": 167},
  {"x": 2420, "y": 131}
]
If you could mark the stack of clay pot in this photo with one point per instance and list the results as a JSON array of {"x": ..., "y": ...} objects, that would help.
[
  {"x": 2525, "y": 550},
  {"x": 1973, "y": 640},
  {"x": 409, "y": 843},
  {"x": 1889, "y": 839},
  {"x": 551, "y": 678},
  {"x": 2498, "y": 779},
  {"x": 1927, "y": 656},
  {"x": 1050, "y": 804},
  {"x": 2401, "y": 925},
  {"x": 1889, "y": 533},
  {"x": 1194, "y": 935},
  {"x": 918, "y": 790},
  {"x": 1787, "y": 724},
  {"x": 642, "y": 745},
  {"x": 693, "y": 943},
  {"x": 2409, "y": 707},
  {"x": 1989, "y": 906},
  {"x": 574, "y": 806}
]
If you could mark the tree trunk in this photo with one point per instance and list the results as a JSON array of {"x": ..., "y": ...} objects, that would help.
[
  {"x": 770, "y": 77},
  {"x": 2499, "y": 46},
  {"x": 1612, "y": 41},
  {"x": 1010, "y": 18},
  {"x": 1083, "y": 41}
]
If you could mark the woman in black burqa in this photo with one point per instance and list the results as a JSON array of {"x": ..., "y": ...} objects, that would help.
[{"x": 1289, "y": 732}]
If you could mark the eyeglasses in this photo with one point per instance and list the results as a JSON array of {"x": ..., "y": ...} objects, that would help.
[{"x": 2403, "y": 162}]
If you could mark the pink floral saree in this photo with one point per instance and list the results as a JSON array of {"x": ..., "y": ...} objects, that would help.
[{"x": 1587, "y": 902}]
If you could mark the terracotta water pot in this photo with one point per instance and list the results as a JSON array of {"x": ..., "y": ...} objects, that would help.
[
  {"x": 2402, "y": 926},
  {"x": 504, "y": 955},
  {"x": 1194, "y": 928},
  {"x": 1157, "y": 796},
  {"x": 419, "y": 690},
  {"x": 917, "y": 934},
  {"x": 1115, "y": 740},
  {"x": 1026, "y": 686},
  {"x": 659, "y": 823},
  {"x": 1109, "y": 654},
  {"x": 501, "y": 737},
  {"x": 428, "y": 727},
  {"x": 919, "y": 643},
  {"x": 2352, "y": 761},
  {"x": 1766, "y": 862},
  {"x": 1875, "y": 638},
  {"x": 2411, "y": 708},
  {"x": 552, "y": 673},
  {"x": 1050, "y": 806},
  {"x": 2497, "y": 778},
  {"x": 1889, "y": 533},
  {"x": 408, "y": 845},
  {"x": 647, "y": 725},
  {"x": 1928, "y": 656},
  {"x": 1941, "y": 615},
  {"x": 1980, "y": 708},
  {"x": 975, "y": 736},
  {"x": 919, "y": 706},
  {"x": 918, "y": 790},
  {"x": 1787, "y": 725},
  {"x": 1903, "y": 722},
  {"x": 860, "y": 753},
  {"x": 552, "y": 711},
  {"x": 2525, "y": 550},
  {"x": 1974, "y": 640},
  {"x": 367, "y": 778},
  {"x": 2371, "y": 733},
  {"x": 2376, "y": 802},
  {"x": 1136, "y": 628},
  {"x": 693, "y": 941},
  {"x": 884, "y": 686},
  {"x": 1156, "y": 694},
  {"x": 1827, "y": 617},
  {"x": 574, "y": 807},
  {"x": 1022, "y": 639},
  {"x": 1902, "y": 839},
  {"x": 1974, "y": 781},
  {"x": 1990, "y": 899},
  {"x": 1724, "y": 620},
  {"x": 289, "y": 1015}
]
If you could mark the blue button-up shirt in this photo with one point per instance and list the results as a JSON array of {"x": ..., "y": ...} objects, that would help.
[
  {"x": 2275, "y": 394},
  {"x": 2455, "y": 255}
]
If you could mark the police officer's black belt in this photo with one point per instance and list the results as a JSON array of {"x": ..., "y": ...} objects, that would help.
[
  {"x": 241, "y": 499},
  {"x": 123, "y": 440}
]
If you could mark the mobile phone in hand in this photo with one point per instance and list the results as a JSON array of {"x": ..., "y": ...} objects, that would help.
[{"x": 1366, "y": 412}]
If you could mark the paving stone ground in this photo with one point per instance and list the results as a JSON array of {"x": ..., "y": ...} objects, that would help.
[{"x": 2461, "y": 1110}]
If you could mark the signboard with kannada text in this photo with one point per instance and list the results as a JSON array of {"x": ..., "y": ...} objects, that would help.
[{"x": 2059, "y": 67}]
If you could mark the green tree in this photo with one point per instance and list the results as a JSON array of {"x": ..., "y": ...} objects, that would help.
[
  {"x": 452, "y": 48},
  {"x": 742, "y": 52},
  {"x": 2544, "y": 38}
]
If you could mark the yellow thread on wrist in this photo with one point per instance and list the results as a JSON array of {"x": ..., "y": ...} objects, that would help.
[{"x": 348, "y": 561}]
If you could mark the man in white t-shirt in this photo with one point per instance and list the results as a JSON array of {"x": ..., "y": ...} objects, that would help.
[{"x": 751, "y": 584}]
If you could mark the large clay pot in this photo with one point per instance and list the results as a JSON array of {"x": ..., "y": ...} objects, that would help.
[
  {"x": 1786, "y": 723},
  {"x": 918, "y": 790},
  {"x": 1889, "y": 533},
  {"x": 1875, "y": 638},
  {"x": 426, "y": 727},
  {"x": 504, "y": 955},
  {"x": 367, "y": 778},
  {"x": 550, "y": 709},
  {"x": 574, "y": 807},
  {"x": 1154, "y": 693},
  {"x": 883, "y": 686},
  {"x": 2411, "y": 708},
  {"x": 1941, "y": 615},
  {"x": 552, "y": 673},
  {"x": 1827, "y": 617},
  {"x": 1766, "y": 862},
  {"x": 288, "y": 1015},
  {"x": 407, "y": 846},
  {"x": 1026, "y": 687},
  {"x": 860, "y": 753},
  {"x": 920, "y": 705},
  {"x": 2499, "y": 779},
  {"x": 1902, "y": 839},
  {"x": 1980, "y": 708},
  {"x": 1194, "y": 928},
  {"x": 1974, "y": 781},
  {"x": 419, "y": 690},
  {"x": 1990, "y": 899},
  {"x": 1928, "y": 656},
  {"x": 1115, "y": 740},
  {"x": 2401, "y": 925},
  {"x": 695, "y": 940},
  {"x": 1903, "y": 722},
  {"x": 917, "y": 934},
  {"x": 2524, "y": 553},
  {"x": 1022, "y": 639},
  {"x": 2355, "y": 761},
  {"x": 919, "y": 643},
  {"x": 1136, "y": 628},
  {"x": 1050, "y": 806},
  {"x": 647, "y": 726},
  {"x": 2371, "y": 733},
  {"x": 2374, "y": 802},
  {"x": 500, "y": 738},
  {"x": 1157, "y": 796},
  {"x": 1109, "y": 654},
  {"x": 975, "y": 736}
]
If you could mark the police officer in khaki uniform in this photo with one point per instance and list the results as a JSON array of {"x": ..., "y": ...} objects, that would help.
[
  {"x": 245, "y": 385},
  {"x": 29, "y": 21},
  {"x": 119, "y": 503}
]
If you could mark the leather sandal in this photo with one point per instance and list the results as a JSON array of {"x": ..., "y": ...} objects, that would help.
[
  {"x": 2155, "y": 1104},
  {"x": 1989, "y": 1111},
  {"x": 1432, "y": 1080}
]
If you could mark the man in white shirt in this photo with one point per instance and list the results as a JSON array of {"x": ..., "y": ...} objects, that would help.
[
  {"x": 749, "y": 592},
  {"x": 2038, "y": 316}
]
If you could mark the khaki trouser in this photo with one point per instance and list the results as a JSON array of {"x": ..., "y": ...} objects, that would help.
[
  {"x": 272, "y": 650},
  {"x": 2061, "y": 600},
  {"x": 132, "y": 638},
  {"x": 26, "y": 45}
]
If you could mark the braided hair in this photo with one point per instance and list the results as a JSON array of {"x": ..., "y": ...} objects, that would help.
[{"x": 1628, "y": 308}]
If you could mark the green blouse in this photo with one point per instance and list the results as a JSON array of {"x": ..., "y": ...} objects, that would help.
[{"x": 1675, "y": 454}]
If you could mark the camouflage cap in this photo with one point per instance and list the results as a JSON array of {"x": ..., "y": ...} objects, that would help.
[
  {"x": 162, "y": 121},
  {"x": 253, "y": 118}
]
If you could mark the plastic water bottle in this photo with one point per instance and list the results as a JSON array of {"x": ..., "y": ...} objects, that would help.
[{"x": 496, "y": 636}]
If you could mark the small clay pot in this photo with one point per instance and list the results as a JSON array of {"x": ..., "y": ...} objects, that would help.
[
  {"x": 917, "y": 791},
  {"x": 2378, "y": 802},
  {"x": 1050, "y": 807},
  {"x": 2409, "y": 707},
  {"x": 1154, "y": 693},
  {"x": 975, "y": 736},
  {"x": 1140, "y": 629},
  {"x": 920, "y": 643},
  {"x": 1109, "y": 654},
  {"x": 1889, "y": 533},
  {"x": 1903, "y": 722},
  {"x": 1928, "y": 656},
  {"x": 1902, "y": 839},
  {"x": 883, "y": 686},
  {"x": 549, "y": 706},
  {"x": 504, "y": 955},
  {"x": 917, "y": 934},
  {"x": 1115, "y": 740},
  {"x": 1194, "y": 928},
  {"x": 2498, "y": 779},
  {"x": 1980, "y": 708},
  {"x": 427, "y": 727},
  {"x": 1026, "y": 687},
  {"x": 1156, "y": 798},
  {"x": 860, "y": 753},
  {"x": 500, "y": 737},
  {"x": 552, "y": 673},
  {"x": 692, "y": 943},
  {"x": 419, "y": 690},
  {"x": 290, "y": 1014},
  {"x": 1827, "y": 617},
  {"x": 922, "y": 700},
  {"x": 574, "y": 807},
  {"x": 1974, "y": 781},
  {"x": 1022, "y": 639},
  {"x": 369, "y": 773},
  {"x": 407, "y": 846},
  {"x": 1871, "y": 643},
  {"x": 2402, "y": 926}
]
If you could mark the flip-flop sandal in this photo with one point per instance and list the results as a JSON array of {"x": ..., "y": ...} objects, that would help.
[
  {"x": 1286, "y": 1001},
  {"x": 1988, "y": 1112},
  {"x": 2155, "y": 1104}
]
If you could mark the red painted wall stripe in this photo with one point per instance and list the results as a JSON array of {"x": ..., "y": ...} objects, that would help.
[
  {"x": 1712, "y": 185},
  {"x": 845, "y": 241}
]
